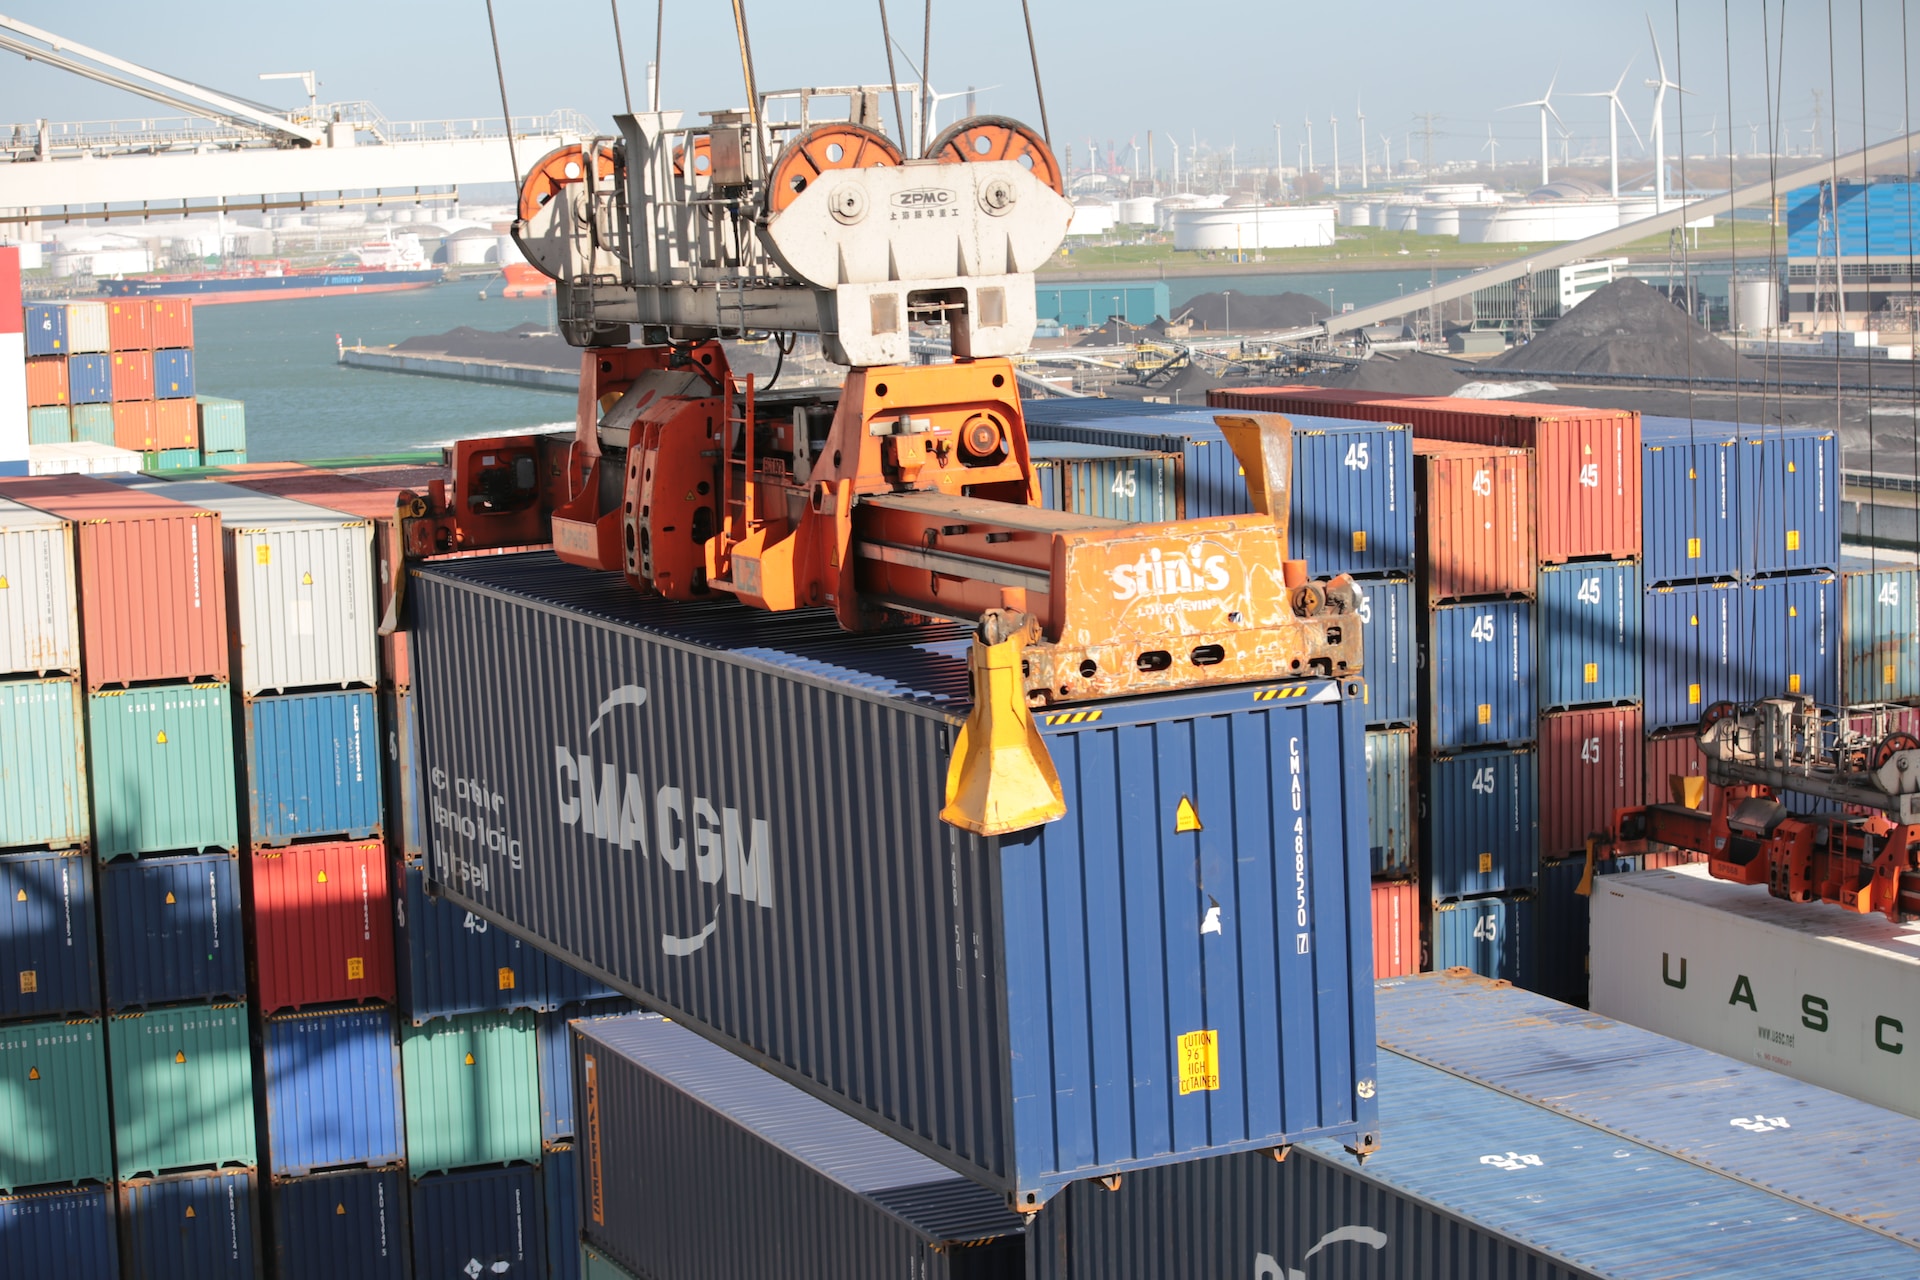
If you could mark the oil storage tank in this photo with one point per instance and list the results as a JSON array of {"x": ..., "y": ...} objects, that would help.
[{"x": 733, "y": 816}]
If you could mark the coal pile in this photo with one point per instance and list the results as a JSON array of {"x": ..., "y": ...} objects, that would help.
[
  {"x": 1403, "y": 373},
  {"x": 1627, "y": 327},
  {"x": 522, "y": 344},
  {"x": 1244, "y": 311}
]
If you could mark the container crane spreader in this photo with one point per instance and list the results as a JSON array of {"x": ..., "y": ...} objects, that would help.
[{"x": 907, "y": 494}]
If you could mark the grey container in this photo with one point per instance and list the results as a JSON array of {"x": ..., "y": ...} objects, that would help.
[
  {"x": 830, "y": 1198},
  {"x": 753, "y": 844}
]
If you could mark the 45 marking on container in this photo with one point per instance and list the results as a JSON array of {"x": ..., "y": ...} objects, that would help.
[
  {"x": 1199, "y": 1053},
  {"x": 1483, "y": 629},
  {"x": 1589, "y": 592},
  {"x": 1758, "y": 1123},
  {"x": 1590, "y": 475},
  {"x": 1889, "y": 592},
  {"x": 1356, "y": 459},
  {"x": 1125, "y": 485},
  {"x": 1513, "y": 1161}
]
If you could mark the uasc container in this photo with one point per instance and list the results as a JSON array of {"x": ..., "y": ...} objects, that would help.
[
  {"x": 1482, "y": 822},
  {"x": 1589, "y": 620},
  {"x": 472, "y": 1092},
  {"x": 1389, "y": 655},
  {"x": 48, "y": 956},
  {"x": 313, "y": 766},
  {"x": 1209, "y": 878},
  {"x": 182, "y": 1089},
  {"x": 331, "y": 1094},
  {"x": 171, "y": 930},
  {"x": 1592, "y": 764},
  {"x": 39, "y": 619},
  {"x": 1480, "y": 674},
  {"x": 66, "y": 1232},
  {"x": 197, "y": 1224},
  {"x": 43, "y": 796},
  {"x": 350, "y": 1223},
  {"x": 1693, "y": 524},
  {"x": 488, "y": 1219},
  {"x": 1493, "y": 937},
  {"x": 52, "y": 1109},
  {"x": 406, "y": 809},
  {"x": 151, "y": 596},
  {"x": 162, "y": 770},
  {"x": 1476, "y": 521},
  {"x": 1212, "y": 482},
  {"x": 322, "y": 921}
]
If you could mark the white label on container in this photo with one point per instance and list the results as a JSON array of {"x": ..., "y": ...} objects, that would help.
[{"x": 300, "y": 617}]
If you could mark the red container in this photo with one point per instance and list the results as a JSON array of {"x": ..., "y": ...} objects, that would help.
[
  {"x": 46, "y": 381},
  {"x": 1474, "y": 511},
  {"x": 1586, "y": 461},
  {"x": 322, "y": 924},
  {"x": 152, "y": 580},
  {"x": 170, "y": 322},
  {"x": 132, "y": 376},
  {"x": 1671, "y": 755},
  {"x": 12, "y": 317},
  {"x": 133, "y": 426},
  {"x": 1396, "y": 929},
  {"x": 130, "y": 325},
  {"x": 1664, "y": 857},
  {"x": 176, "y": 424},
  {"x": 1592, "y": 763}
]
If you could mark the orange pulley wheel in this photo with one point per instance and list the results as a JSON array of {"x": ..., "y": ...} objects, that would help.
[
  {"x": 814, "y": 151},
  {"x": 555, "y": 170},
  {"x": 702, "y": 157},
  {"x": 998, "y": 138}
]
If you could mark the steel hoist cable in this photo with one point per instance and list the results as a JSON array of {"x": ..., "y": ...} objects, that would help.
[
  {"x": 893, "y": 77},
  {"x": 1033, "y": 52},
  {"x": 500, "y": 72},
  {"x": 620, "y": 47}
]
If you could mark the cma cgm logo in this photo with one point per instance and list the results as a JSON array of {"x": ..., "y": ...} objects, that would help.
[
  {"x": 1266, "y": 1267},
  {"x": 691, "y": 834},
  {"x": 1174, "y": 575}
]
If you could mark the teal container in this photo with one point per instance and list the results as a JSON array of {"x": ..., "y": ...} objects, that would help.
[
  {"x": 226, "y": 458},
  {"x": 182, "y": 1089},
  {"x": 1879, "y": 632},
  {"x": 1390, "y": 802},
  {"x": 170, "y": 460},
  {"x": 472, "y": 1092},
  {"x": 93, "y": 423},
  {"x": 51, "y": 424},
  {"x": 43, "y": 795},
  {"x": 223, "y": 424},
  {"x": 163, "y": 767},
  {"x": 53, "y": 1104}
]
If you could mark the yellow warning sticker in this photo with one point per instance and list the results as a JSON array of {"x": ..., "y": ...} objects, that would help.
[
  {"x": 320, "y": 877},
  {"x": 1359, "y": 539},
  {"x": 1693, "y": 694},
  {"x": 306, "y": 579},
  {"x": 29, "y": 981},
  {"x": 1793, "y": 611},
  {"x": 179, "y": 1057},
  {"x": 506, "y": 978},
  {"x": 170, "y": 898},
  {"x": 1693, "y": 619},
  {"x": 1486, "y": 713},
  {"x": 469, "y": 1059},
  {"x": 1185, "y": 817},
  {"x": 356, "y": 969},
  {"x": 33, "y": 1073},
  {"x": 22, "y": 895},
  {"x": 3, "y": 582},
  {"x": 263, "y": 554},
  {"x": 1793, "y": 682},
  {"x": 1793, "y": 466},
  {"x": 1592, "y": 673},
  {"x": 190, "y": 1212},
  {"x": 1486, "y": 864},
  {"x": 1888, "y": 674},
  {"x": 160, "y": 738},
  {"x": 1199, "y": 1061},
  {"x": 1693, "y": 548},
  {"x": 1793, "y": 539},
  {"x": 340, "y": 1209}
]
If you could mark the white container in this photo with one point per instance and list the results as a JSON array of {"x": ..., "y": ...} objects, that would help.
[
  {"x": 300, "y": 598},
  {"x": 80, "y": 458},
  {"x": 87, "y": 327},
  {"x": 1806, "y": 989},
  {"x": 39, "y": 627}
]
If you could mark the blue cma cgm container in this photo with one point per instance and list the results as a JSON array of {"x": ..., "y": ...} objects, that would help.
[
  {"x": 451, "y": 961},
  {"x": 1118, "y": 484},
  {"x": 1790, "y": 496},
  {"x": 313, "y": 766},
  {"x": 1879, "y": 632},
  {"x": 194, "y": 1226},
  {"x": 1796, "y": 628},
  {"x": 66, "y": 1232},
  {"x": 1390, "y": 804},
  {"x": 1491, "y": 936},
  {"x": 1692, "y": 526},
  {"x": 737, "y": 779},
  {"x": 330, "y": 1093},
  {"x": 1480, "y": 687},
  {"x": 333, "y": 1225},
  {"x": 171, "y": 930},
  {"x": 492, "y": 1218},
  {"x": 46, "y": 325},
  {"x": 1391, "y": 661},
  {"x": 1697, "y": 649},
  {"x": 1482, "y": 829},
  {"x": 48, "y": 947},
  {"x": 1589, "y": 621}
]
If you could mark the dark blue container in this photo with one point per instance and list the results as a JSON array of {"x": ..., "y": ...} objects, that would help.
[
  {"x": 67, "y": 1232},
  {"x": 1491, "y": 936},
  {"x": 560, "y": 1183},
  {"x": 406, "y": 807},
  {"x": 170, "y": 930},
  {"x": 1480, "y": 675},
  {"x": 1797, "y": 621},
  {"x": 330, "y": 1091},
  {"x": 1692, "y": 525},
  {"x": 451, "y": 961},
  {"x": 490, "y": 1218},
  {"x": 313, "y": 766},
  {"x": 173, "y": 374},
  {"x": 1386, "y": 620},
  {"x": 46, "y": 325},
  {"x": 1696, "y": 651},
  {"x": 89, "y": 379},
  {"x": 1560, "y": 959},
  {"x": 48, "y": 950},
  {"x": 1790, "y": 496},
  {"x": 560, "y": 984},
  {"x": 556, "y": 1076},
  {"x": 1589, "y": 619},
  {"x": 193, "y": 1226},
  {"x": 335, "y": 1225},
  {"x": 1482, "y": 830}
]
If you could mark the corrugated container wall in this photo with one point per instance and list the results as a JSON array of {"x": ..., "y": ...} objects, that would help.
[
  {"x": 171, "y": 322},
  {"x": 93, "y": 423},
  {"x": 130, "y": 325},
  {"x": 171, "y": 930},
  {"x": 198, "y": 1227},
  {"x": 596, "y": 1265},
  {"x": 1480, "y": 675},
  {"x": 1120, "y": 484},
  {"x": 451, "y": 961},
  {"x": 1671, "y": 755},
  {"x": 173, "y": 430},
  {"x": 162, "y": 770},
  {"x": 831, "y": 1198},
  {"x": 1561, "y": 965},
  {"x": 352, "y": 1223},
  {"x": 1879, "y": 632},
  {"x": 1476, "y": 521},
  {"x": 131, "y": 375},
  {"x": 491, "y": 1220},
  {"x": 557, "y": 1119},
  {"x": 47, "y": 329},
  {"x": 1790, "y": 490},
  {"x": 1213, "y": 483},
  {"x": 133, "y": 426},
  {"x": 89, "y": 380},
  {"x": 1396, "y": 928},
  {"x": 472, "y": 1092},
  {"x": 331, "y": 1095},
  {"x": 405, "y": 817},
  {"x": 173, "y": 374},
  {"x": 560, "y": 1183},
  {"x": 48, "y": 948},
  {"x": 1795, "y": 629},
  {"x": 87, "y": 328},
  {"x": 1589, "y": 627},
  {"x": 67, "y": 1233},
  {"x": 49, "y": 425},
  {"x": 1491, "y": 936},
  {"x": 1391, "y": 661},
  {"x": 182, "y": 1089},
  {"x": 43, "y": 789},
  {"x": 1093, "y": 959},
  {"x": 1696, "y": 651},
  {"x": 150, "y": 580},
  {"x": 1592, "y": 763},
  {"x": 56, "y": 1127},
  {"x": 1352, "y": 505},
  {"x": 223, "y": 423},
  {"x": 322, "y": 921},
  {"x": 313, "y": 766},
  {"x": 1689, "y": 483},
  {"x": 1390, "y": 803},
  {"x": 47, "y": 382},
  {"x": 1481, "y": 829}
]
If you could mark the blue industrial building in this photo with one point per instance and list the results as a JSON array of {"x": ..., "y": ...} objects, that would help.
[
  {"x": 1857, "y": 259},
  {"x": 1085, "y": 306}
]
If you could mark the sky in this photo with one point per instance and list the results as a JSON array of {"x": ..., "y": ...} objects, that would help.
[{"x": 1216, "y": 74}]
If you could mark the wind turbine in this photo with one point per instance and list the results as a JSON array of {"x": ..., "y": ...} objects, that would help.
[
  {"x": 1386, "y": 154},
  {"x": 1713, "y": 137},
  {"x": 1566, "y": 137},
  {"x": 1279, "y": 151},
  {"x": 1309, "y": 144},
  {"x": 1361, "y": 116},
  {"x": 930, "y": 101},
  {"x": 1753, "y": 139},
  {"x": 1333, "y": 123},
  {"x": 1659, "y": 130},
  {"x": 1615, "y": 112},
  {"x": 1545, "y": 103},
  {"x": 1492, "y": 144}
]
